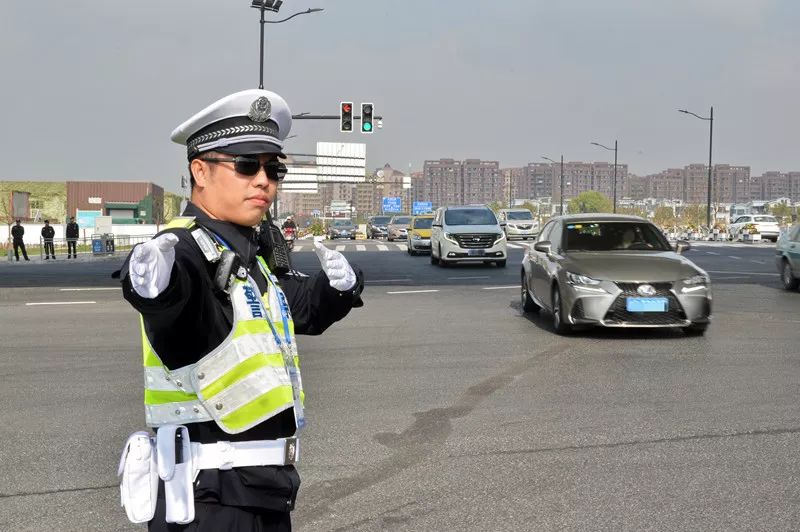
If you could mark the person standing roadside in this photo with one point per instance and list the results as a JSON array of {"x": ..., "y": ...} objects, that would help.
[
  {"x": 16, "y": 234},
  {"x": 47, "y": 234},
  {"x": 72, "y": 238}
]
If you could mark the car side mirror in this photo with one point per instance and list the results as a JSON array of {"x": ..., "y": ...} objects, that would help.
[
  {"x": 543, "y": 247},
  {"x": 681, "y": 246},
  {"x": 503, "y": 224},
  {"x": 436, "y": 225}
]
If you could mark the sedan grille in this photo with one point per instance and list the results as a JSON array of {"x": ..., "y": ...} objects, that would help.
[
  {"x": 619, "y": 314},
  {"x": 476, "y": 240}
]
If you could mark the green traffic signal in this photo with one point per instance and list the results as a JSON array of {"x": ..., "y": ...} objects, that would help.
[{"x": 366, "y": 127}]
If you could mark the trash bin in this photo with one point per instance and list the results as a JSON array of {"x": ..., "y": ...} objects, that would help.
[{"x": 97, "y": 245}]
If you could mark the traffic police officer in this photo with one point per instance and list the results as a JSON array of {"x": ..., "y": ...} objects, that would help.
[{"x": 222, "y": 380}]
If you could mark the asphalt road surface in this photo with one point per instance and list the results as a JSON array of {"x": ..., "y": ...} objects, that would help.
[{"x": 439, "y": 405}]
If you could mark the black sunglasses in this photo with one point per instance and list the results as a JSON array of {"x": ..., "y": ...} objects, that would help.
[{"x": 275, "y": 170}]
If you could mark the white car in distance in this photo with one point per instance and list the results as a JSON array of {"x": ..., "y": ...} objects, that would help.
[{"x": 767, "y": 226}]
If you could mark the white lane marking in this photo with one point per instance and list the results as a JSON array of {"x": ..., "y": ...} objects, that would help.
[
  {"x": 361, "y": 247},
  {"x": 479, "y": 277},
  {"x": 758, "y": 261},
  {"x": 61, "y": 303},
  {"x": 298, "y": 248},
  {"x": 388, "y": 280},
  {"x": 89, "y": 289},
  {"x": 402, "y": 247},
  {"x": 738, "y": 272},
  {"x": 340, "y": 248},
  {"x": 732, "y": 277},
  {"x": 735, "y": 257},
  {"x": 413, "y": 292},
  {"x": 711, "y": 253},
  {"x": 382, "y": 247},
  {"x": 500, "y": 287},
  {"x": 515, "y": 246}
]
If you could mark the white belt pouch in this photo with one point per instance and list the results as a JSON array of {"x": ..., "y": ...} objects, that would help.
[
  {"x": 178, "y": 477},
  {"x": 139, "y": 483}
]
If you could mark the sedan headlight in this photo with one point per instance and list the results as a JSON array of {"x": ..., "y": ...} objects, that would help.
[
  {"x": 416, "y": 237},
  {"x": 695, "y": 283},
  {"x": 498, "y": 238},
  {"x": 574, "y": 278}
]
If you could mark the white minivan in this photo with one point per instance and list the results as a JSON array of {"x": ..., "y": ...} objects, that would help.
[
  {"x": 467, "y": 234},
  {"x": 518, "y": 223}
]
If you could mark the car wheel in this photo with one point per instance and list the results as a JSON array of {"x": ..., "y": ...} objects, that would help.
[
  {"x": 790, "y": 282},
  {"x": 434, "y": 260},
  {"x": 390, "y": 239},
  {"x": 526, "y": 301},
  {"x": 352, "y": 238},
  {"x": 501, "y": 263},
  {"x": 559, "y": 326},
  {"x": 696, "y": 329},
  {"x": 409, "y": 251}
]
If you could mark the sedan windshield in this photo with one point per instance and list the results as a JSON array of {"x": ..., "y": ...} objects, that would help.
[
  {"x": 401, "y": 220},
  {"x": 381, "y": 220},
  {"x": 342, "y": 223},
  {"x": 520, "y": 215},
  {"x": 469, "y": 217},
  {"x": 423, "y": 223},
  {"x": 614, "y": 236},
  {"x": 768, "y": 219}
]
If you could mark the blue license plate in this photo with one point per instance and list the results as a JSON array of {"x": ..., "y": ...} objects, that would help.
[
  {"x": 647, "y": 304},
  {"x": 475, "y": 252}
]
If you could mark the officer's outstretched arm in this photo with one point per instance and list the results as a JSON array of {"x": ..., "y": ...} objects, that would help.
[{"x": 150, "y": 265}]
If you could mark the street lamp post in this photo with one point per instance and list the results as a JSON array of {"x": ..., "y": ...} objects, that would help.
[
  {"x": 562, "y": 179},
  {"x": 710, "y": 120},
  {"x": 614, "y": 186},
  {"x": 272, "y": 5}
]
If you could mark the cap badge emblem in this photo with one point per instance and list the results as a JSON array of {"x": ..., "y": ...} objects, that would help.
[
  {"x": 259, "y": 110},
  {"x": 646, "y": 290}
]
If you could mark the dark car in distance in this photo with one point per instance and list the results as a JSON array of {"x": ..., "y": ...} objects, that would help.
[
  {"x": 377, "y": 226},
  {"x": 342, "y": 228}
]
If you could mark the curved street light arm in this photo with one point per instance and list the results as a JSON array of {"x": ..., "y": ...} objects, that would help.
[
  {"x": 598, "y": 144},
  {"x": 549, "y": 159},
  {"x": 306, "y": 12},
  {"x": 693, "y": 114}
]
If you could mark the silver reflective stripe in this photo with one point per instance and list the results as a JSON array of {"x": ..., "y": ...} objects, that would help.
[
  {"x": 246, "y": 390},
  {"x": 233, "y": 352},
  {"x": 183, "y": 412},
  {"x": 161, "y": 379}
]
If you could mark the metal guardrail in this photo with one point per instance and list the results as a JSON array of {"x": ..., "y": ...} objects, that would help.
[{"x": 109, "y": 244}]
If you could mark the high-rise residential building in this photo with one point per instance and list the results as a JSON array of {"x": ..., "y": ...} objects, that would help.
[
  {"x": 637, "y": 187},
  {"x": 481, "y": 182},
  {"x": 730, "y": 184},
  {"x": 668, "y": 185},
  {"x": 794, "y": 186},
  {"x": 441, "y": 182},
  {"x": 696, "y": 184},
  {"x": 772, "y": 185}
]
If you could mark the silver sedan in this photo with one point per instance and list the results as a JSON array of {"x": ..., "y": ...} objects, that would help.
[{"x": 613, "y": 271}]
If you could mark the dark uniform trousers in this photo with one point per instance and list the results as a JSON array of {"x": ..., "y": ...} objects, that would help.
[
  {"x": 19, "y": 244},
  {"x": 213, "y": 517},
  {"x": 71, "y": 245},
  {"x": 48, "y": 248}
]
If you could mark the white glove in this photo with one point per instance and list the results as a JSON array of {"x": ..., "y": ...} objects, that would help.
[
  {"x": 341, "y": 275},
  {"x": 151, "y": 265}
]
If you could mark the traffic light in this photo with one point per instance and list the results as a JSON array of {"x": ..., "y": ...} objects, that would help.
[
  {"x": 346, "y": 115},
  {"x": 366, "y": 118}
]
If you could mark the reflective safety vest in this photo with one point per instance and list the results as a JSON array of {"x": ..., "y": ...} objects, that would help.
[{"x": 245, "y": 380}]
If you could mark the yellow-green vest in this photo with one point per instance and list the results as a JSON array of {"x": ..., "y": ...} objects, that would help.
[{"x": 242, "y": 382}]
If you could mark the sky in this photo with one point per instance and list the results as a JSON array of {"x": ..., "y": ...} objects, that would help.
[{"x": 92, "y": 89}]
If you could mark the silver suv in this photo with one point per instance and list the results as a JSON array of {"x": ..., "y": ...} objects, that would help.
[{"x": 467, "y": 234}]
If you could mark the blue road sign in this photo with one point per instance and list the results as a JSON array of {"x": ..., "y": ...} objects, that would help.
[
  {"x": 422, "y": 207},
  {"x": 392, "y": 204}
]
